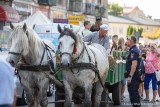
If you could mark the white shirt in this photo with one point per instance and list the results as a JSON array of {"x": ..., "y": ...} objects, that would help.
[
  {"x": 86, "y": 32},
  {"x": 7, "y": 83}
]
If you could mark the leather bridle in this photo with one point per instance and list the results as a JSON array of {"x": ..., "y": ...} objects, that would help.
[{"x": 14, "y": 53}]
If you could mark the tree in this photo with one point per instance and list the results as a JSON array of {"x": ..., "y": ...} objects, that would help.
[
  {"x": 115, "y": 9},
  {"x": 134, "y": 30},
  {"x": 130, "y": 31},
  {"x": 140, "y": 30}
]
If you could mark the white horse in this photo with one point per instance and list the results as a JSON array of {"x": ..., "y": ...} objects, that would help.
[
  {"x": 27, "y": 47},
  {"x": 73, "y": 50}
]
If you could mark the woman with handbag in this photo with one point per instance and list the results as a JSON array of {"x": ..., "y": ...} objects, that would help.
[{"x": 151, "y": 66}]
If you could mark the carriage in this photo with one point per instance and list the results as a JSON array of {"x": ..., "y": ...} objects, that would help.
[
  {"x": 89, "y": 69},
  {"x": 112, "y": 83}
]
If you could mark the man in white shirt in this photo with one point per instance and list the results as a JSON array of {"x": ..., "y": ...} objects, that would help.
[
  {"x": 7, "y": 84},
  {"x": 87, "y": 26}
]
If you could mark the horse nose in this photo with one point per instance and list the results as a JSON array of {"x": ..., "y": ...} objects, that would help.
[
  {"x": 65, "y": 63},
  {"x": 11, "y": 62}
]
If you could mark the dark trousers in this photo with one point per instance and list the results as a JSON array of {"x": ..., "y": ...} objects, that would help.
[
  {"x": 133, "y": 90},
  {"x": 5, "y": 105}
]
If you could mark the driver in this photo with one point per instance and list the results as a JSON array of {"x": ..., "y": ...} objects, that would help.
[{"x": 100, "y": 37}]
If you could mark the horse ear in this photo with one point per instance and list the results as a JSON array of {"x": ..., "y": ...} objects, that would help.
[
  {"x": 11, "y": 25},
  {"x": 59, "y": 29},
  {"x": 24, "y": 27}
]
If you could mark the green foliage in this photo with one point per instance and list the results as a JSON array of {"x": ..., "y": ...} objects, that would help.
[
  {"x": 131, "y": 30},
  {"x": 140, "y": 30},
  {"x": 115, "y": 9},
  {"x": 134, "y": 30}
]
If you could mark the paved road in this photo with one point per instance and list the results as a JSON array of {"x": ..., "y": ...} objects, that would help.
[{"x": 126, "y": 102}]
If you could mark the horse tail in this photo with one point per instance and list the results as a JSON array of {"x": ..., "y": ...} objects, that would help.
[{"x": 36, "y": 91}]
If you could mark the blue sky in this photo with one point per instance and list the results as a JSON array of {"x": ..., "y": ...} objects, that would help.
[{"x": 149, "y": 7}]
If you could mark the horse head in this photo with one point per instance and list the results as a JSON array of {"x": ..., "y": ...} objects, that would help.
[
  {"x": 69, "y": 42},
  {"x": 19, "y": 42}
]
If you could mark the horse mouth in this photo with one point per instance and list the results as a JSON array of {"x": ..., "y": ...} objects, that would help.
[{"x": 12, "y": 63}]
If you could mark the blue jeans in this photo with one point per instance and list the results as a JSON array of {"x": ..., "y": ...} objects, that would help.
[{"x": 148, "y": 78}]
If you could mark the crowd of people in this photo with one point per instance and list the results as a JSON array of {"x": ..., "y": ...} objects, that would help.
[{"x": 142, "y": 62}]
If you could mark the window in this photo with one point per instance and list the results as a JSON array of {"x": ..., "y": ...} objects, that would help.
[
  {"x": 120, "y": 30},
  {"x": 115, "y": 30},
  {"x": 52, "y": 37},
  {"x": 60, "y": 2}
]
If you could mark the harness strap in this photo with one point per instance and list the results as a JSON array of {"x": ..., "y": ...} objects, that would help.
[
  {"x": 49, "y": 47},
  {"x": 42, "y": 56},
  {"x": 88, "y": 54},
  {"x": 14, "y": 53},
  {"x": 80, "y": 53},
  {"x": 50, "y": 62}
]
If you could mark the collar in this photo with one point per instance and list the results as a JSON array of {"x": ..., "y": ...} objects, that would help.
[{"x": 132, "y": 47}]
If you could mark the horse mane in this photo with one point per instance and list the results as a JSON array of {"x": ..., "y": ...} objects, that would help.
[
  {"x": 33, "y": 40},
  {"x": 70, "y": 33}
]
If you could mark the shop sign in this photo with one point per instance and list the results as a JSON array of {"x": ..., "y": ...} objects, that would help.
[
  {"x": 60, "y": 20},
  {"x": 79, "y": 18}
]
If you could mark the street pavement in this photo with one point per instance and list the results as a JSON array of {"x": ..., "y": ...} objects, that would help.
[{"x": 126, "y": 102}]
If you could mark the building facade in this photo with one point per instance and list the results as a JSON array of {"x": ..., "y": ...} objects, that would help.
[
  {"x": 119, "y": 25},
  {"x": 133, "y": 12},
  {"x": 89, "y": 9}
]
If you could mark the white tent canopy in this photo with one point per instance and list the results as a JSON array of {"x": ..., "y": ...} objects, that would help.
[{"x": 36, "y": 18}]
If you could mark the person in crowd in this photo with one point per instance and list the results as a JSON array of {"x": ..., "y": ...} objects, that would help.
[
  {"x": 7, "y": 86},
  {"x": 126, "y": 48},
  {"x": 141, "y": 86},
  {"x": 100, "y": 37},
  {"x": 151, "y": 66},
  {"x": 121, "y": 44},
  {"x": 121, "y": 47},
  {"x": 158, "y": 82},
  {"x": 96, "y": 26},
  {"x": 114, "y": 43},
  {"x": 133, "y": 73},
  {"x": 87, "y": 26}
]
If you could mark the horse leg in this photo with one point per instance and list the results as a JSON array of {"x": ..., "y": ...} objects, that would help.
[
  {"x": 98, "y": 92},
  {"x": 88, "y": 91},
  {"x": 29, "y": 98},
  {"x": 43, "y": 98},
  {"x": 43, "y": 92},
  {"x": 68, "y": 94}
]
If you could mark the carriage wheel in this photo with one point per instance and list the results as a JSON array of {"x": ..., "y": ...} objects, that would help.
[
  {"x": 104, "y": 97},
  {"x": 116, "y": 93},
  {"x": 51, "y": 90},
  {"x": 59, "y": 95}
]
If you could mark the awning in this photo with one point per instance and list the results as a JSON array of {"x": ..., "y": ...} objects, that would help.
[{"x": 8, "y": 14}]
